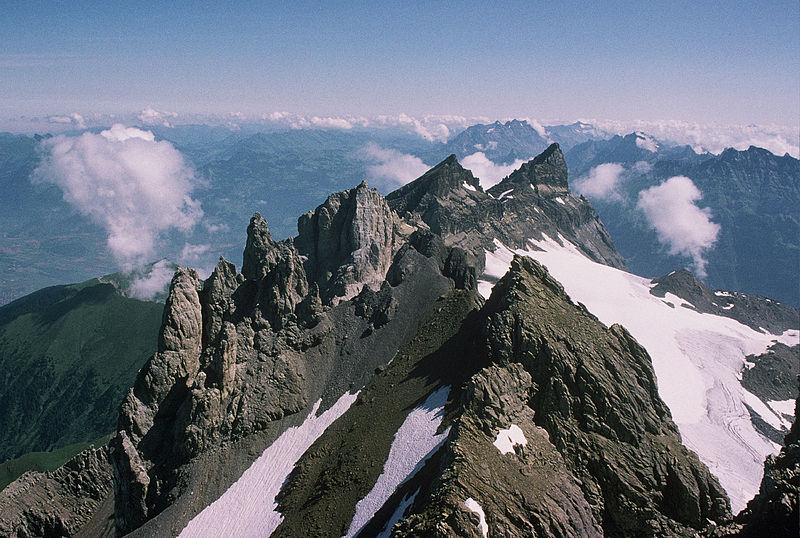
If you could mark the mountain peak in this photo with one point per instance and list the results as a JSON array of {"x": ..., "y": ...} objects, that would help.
[
  {"x": 438, "y": 182},
  {"x": 547, "y": 172}
]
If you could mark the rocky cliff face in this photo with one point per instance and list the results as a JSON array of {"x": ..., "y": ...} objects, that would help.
[{"x": 73, "y": 500}]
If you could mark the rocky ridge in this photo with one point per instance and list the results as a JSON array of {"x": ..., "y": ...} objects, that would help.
[
  {"x": 531, "y": 201},
  {"x": 601, "y": 455},
  {"x": 70, "y": 501}
]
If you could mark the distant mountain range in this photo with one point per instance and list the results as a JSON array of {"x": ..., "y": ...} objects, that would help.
[{"x": 753, "y": 195}]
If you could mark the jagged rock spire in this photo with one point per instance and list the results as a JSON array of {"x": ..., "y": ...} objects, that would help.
[
  {"x": 547, "y": 173},
  {"x": 438, "y": 182}
]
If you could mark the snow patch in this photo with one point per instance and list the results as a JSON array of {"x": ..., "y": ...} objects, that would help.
[
  {"x": 469, "y": 187},
  {"x": 646, "y": 141},
  {"x": 723, "y": 294},
  {"x": 505, "y": 192},
  {"x": 249, "y": 507},
  {"x": 507, "y": 439},
  {"x": 784, "y": 407},
  {"x": 473, "y": 506},
  {"x": 415, "y": 441},
  {"x": 560, "y": 200},
  {"x": 728, "y": 307},
  {"x": 697, "y": 357}
]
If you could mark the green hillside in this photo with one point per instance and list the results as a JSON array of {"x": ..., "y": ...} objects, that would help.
[{"x": 67, "y": 356}]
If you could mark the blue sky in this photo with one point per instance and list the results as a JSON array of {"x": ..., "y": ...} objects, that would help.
[{"x": 730, "y": 62}]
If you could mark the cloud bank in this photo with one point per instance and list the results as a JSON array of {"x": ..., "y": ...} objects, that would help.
[
  {"x": 489, "y": 173},
  {"x": 125, "y": 181},
  {"x": 680, "y": 225},
  {"x": 711, "y": 138},
  {"x": 602, "y": 182},
  {"x": 391, "y": 169}
]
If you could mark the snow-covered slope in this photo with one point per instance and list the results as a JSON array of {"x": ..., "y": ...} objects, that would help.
[
  {"x": 697, "y": 358},
  {"x": 415, "y": 441},
  {"x": 249, "y": 506}
]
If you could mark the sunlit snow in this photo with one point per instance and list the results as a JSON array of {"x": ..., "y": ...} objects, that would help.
[
  {"x": 784, "y": 407},
  {"x": 249, "y": 507},
  {"x": 697, "y": 358},
  {"x": 469, "y": 187},
  {"x": 508, "y": 438},
  {"x": 415, "y": 441},
  {"x": 473, "y": 506}
]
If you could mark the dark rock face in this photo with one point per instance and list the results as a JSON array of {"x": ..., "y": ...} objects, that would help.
[
  {"x": 532, "y": 201},
  {"x": 602, "y": 457},
  {"x": 771, "y": 374},
  {"x": 62, "y": 503}
]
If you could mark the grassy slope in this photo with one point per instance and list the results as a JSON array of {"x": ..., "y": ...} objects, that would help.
[{"x": 67, "y": 355}]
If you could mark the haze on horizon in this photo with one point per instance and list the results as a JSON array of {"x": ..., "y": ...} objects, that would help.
[{"x": 619, "y": 60}]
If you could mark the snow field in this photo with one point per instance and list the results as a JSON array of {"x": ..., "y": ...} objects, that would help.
[{"x": 249, "y": 507}]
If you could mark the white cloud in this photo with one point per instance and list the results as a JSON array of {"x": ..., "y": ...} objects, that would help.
[
  {"x": 150, "y": 116},
  {"x": 680, "y": 225},
  {"x": 391, "y": 168},
  {"x": 150, "y": 284},
  {"x": 191, "y": 253},
  {"x": 489, "y": 173},
  {"x": 74, "y": 119},
  {"x": 126, "y": 182},
  {"x": 602, "y": 182},
  {"x": 712, "y": 138},
  {"x": 331, "y": 123}
]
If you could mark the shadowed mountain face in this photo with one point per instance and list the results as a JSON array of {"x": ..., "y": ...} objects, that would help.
[
  {"x": 354, "y": 377},
  {"x": 753, "y": 195}
]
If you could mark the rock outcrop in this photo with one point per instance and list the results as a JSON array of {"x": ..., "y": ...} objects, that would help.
[
  {"x": 76, "y": 499},
  {"x": 532, "y": 201}
]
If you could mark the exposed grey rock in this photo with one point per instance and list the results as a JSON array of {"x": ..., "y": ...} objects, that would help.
[
  {"x": 349, "y": 241},
  {"x": 60, "y": 503},
  {"x": 538, "y": 203},
  {"x": 772, "y": 373}
]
